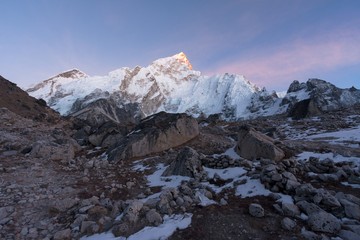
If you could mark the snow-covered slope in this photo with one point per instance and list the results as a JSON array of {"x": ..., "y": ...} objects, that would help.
[{"x": 168, "y": 84}]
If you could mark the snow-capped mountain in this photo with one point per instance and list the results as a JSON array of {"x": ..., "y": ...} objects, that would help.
[{"x": 168, "y": 84}]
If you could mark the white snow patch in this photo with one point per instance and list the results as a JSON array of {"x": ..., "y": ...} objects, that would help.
[
  {"x": 157, "y": 180},
  {"x": 351, "y": 184},
  {"x": 163, "y": 231},
  {"x": 204, "y": 201},
  {"x": 333, "y": 156},
  {"x": 226, "y": 173},
  {"x": 339, "y": 137}
]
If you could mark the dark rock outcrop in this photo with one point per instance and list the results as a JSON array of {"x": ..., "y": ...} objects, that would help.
[
  {"x": 154, "y": 134},
  {"x": 317, "y": 96},
  {"x": 19, "y": 102}
]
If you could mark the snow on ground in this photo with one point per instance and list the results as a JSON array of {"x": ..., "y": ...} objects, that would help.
[
  {"x": 344, "y": 136},
  {"x": 157, "y": 180},
  {"x": 251, "y": 188},
  {"x": 333, "y": 156},
  {"x": 351, "y": 185},
  {"x": 163, "y": 231},
  {"x": 230, "y": 152}
]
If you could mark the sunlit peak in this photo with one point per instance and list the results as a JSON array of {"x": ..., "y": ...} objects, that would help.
[{"x": 183, "y": 59}]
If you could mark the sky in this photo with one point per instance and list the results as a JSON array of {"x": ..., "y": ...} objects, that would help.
[{"x": 270, "y": 42}]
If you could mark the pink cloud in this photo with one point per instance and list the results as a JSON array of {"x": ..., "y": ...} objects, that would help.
[{"x": 300, "y": 58}]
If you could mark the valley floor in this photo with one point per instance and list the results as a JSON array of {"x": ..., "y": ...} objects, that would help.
[{"x": 67, "y": 196}]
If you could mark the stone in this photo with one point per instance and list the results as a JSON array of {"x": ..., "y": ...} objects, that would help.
[
  {"x": 187, "y": 163},
  {"x": 24, "y": 231},
  {"x": 288, "y": 224},
  {"x": 291, "y": 185},
  {"x": 325, "y": 198},
  {"x": 85, "y": 225},
  {"x": 154, "y": 217},
  {"x": 133, "y": 210},
  {"x": 154, "y": 134},
  {"x": 324, "y": 222},
  {"x": 63, "y": 234},
  {"x": 97, "y": 212},
  {"x": 348, "y": 235},
  {"x": 290, "y": 209},
  {"x": 352, "y": 210},
  {"x": 308, "y": 208},
  {"x": 6, "y": 211},
  {"x": 223, "y": 202},
  {"x": 253, "y": 145},
  {"x": 309, "y": 235},
  {"x": 256, "y": 210},
  {"x": 64, "y": 204}
]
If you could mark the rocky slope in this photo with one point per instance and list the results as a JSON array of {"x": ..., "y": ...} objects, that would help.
[
  {"x": 19, "y": 102},
  {"x": 190, "y": 181}
]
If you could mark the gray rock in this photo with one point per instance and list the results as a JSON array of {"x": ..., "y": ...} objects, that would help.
[
  {"x": 352, "y": 210},
  {"x": 348, "y": 235},
  {"x": 289, "y": 175},
  {"x": 63, "y": 234},
  {"x": 324, "y": 222},
  {"x": 291, "y": 185},
  {"x": 353, "y": 228},
  {"x": 324, "y": 197},
  {"x": 154, "y": 217},
  {"x": 253, "y": 144},
  {"x": 256, "y": 210},
  {"x": 133, "y": 210},
  {"x": 6, "y": 211},
  {"x": 223, "y": 202},
  {"x": 288, "y": 224},
  {"x": 85, "y": 225},
  {"x": 187, "y": 163},
  {"x": 308, "y": 208},
  {"x": 64, "y": 204},
  {"x": 309, "y": 235},
  {"x": 290, "y": 209},
  {"x": 155, "y": 133}
]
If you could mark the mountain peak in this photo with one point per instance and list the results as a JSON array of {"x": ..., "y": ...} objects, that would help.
[
  {"x": 72, "y": 73},
  {"x": 183, "y": 59}
]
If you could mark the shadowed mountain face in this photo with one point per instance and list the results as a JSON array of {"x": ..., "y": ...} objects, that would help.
[{"x": 19, "y": 102}]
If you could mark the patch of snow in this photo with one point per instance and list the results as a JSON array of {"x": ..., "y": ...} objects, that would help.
[
  {"x": 351, "y": 184},
  {"x": 343, "y": 136},
  {"x": 157, "y": 180},
  {"x": 139, "y": 167},
  {"x": 333, "y": 156},
  {"x": 281, "y": 94},
  {"x": 163, "y": 231},
  {"x": 229, "y": 152},
  {"x": 226, "y": 173},
  {"x": 204, "y": 201},
  {"x": 252, "y": 187}
]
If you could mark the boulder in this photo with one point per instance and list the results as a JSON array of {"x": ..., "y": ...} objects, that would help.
[
  {"x": 348, "y": 235},
  {"x": 288, "y": 224},
  {"x": 324, "y": 222},
  {"x": 256, "y": 210},
  {"x": 187, "y": 163},
  {"x": 155, "y": 134},
  {"x": 253, "y": 144}
]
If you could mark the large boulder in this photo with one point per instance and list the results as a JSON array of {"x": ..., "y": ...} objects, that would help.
[
  {"x": 154, "y": 134},
  {"x": 187, "y": 163},
  {"x": 253, "y": 144}
]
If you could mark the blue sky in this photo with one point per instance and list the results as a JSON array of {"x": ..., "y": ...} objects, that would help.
[{"x": 272, "y": 42}]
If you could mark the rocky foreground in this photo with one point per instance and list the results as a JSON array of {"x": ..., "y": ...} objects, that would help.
[{"x": 267, "y": 178}]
